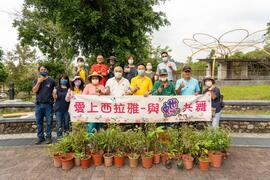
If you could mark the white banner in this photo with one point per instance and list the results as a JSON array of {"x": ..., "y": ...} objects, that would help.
[{"x": 139, "y": 109}]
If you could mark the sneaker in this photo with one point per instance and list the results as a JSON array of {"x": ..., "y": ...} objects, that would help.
[
  {"x": 49, "y": 141},
  {"x": 39, "y": 141}
]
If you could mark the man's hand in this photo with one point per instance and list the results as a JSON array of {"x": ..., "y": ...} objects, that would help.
[
  {"x": 40, "y": 79},
  {"x": 159, "y": 90},
  {"x": 127, "y": 70},
  {"x": 182, "y": 85},
  {"x": 146, "y": 94}
]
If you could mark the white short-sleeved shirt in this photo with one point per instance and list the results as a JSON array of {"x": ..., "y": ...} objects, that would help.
[
  {"x": 169, "y": 70},
  {"x": 118, "y": 88}
]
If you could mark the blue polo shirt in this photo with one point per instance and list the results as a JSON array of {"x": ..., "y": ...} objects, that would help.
[{"x": 191, "y": 86}]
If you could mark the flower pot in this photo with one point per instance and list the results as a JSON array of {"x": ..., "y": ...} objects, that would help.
[
  {"x": 85, "y": 162},
  {"x": 119, "y": 161},
  {"x": 164, "y": 157},
  {"x": 184, "y": 156},
  {"x": 204, "y": 165},
  {"x": 133, "y": 162},
  {"x": 147, "y": 162},
  {"x": 97, "y": 159},
  {"x": 108, "y": 159},
  {"x": 216, "y": 160},
  {"x": 156, "y": 158},
  {"x": 188, "y": 162},
  {"x": 77, "y": 161},
  {"x": 57, "y": 161},
  {"x": 67, "y": 162}
]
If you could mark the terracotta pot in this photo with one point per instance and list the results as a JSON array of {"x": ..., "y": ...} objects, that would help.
[
  {"x": 188, "y": 163},
  {"x": 67, "y": 162},
  {"x": 156, "y": 158},
  {"x": 133, "y": 162},
  {"x": 119, "y": 161},
  {"x": 204, "y": 165},
  {"x": 57, "y": 161},
  {"x": 183, "y": 156},
  {"x": 85, "y": 162},
  {"x": 97, "y": 159},
  {"x": 108, "y": 159},
  {"x": 147, "y": 162},
  {"x": 77, "y": 161},
  {"x": 164, "y": 157},
  {"x": 216, "y": 160}
]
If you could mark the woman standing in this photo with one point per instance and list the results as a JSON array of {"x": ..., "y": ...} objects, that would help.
[
  {"x": 216, "y": 99},
  {"x": 61, "y": 105},
  {"x": 94, "y": 88},
  {"x": 77, "y": 85}
]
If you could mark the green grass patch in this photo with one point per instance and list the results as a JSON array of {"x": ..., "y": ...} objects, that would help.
[{"x": 252, "y": 92}]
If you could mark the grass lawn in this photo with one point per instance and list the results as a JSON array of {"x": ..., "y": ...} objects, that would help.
[{"x": 252, "y": 92}]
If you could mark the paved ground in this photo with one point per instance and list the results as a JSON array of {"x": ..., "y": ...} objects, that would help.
[{"x": 33, "y": 163}]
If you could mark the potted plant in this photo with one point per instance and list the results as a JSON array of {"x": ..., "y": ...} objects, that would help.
[
  {"x": 147, "y": 156},
  {"x": 134, "y": 144},
  {"x": 65, "y": 147},
  {"x": 80, "y": 141},
  {"x": 204, "y": 163},
  {"x": 85, "y": 160},
  {"x": 119, "y": 155},
  {"x": 219, "y": 141},
  {"x": 110, "y": 135},
  {"x": 97, "y": 145},
  {"x": 55, "y": 153},
  {"x": 156, "y": 131}
]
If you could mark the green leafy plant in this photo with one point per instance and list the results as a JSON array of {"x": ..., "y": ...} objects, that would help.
[{"x": 133, "y": 142}]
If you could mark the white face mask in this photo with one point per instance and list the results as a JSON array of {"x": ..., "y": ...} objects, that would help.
[
  {"x": 165, "y": 59},
  {"x": 80, "y": 64},
  {"x": 95, "y": 81},
  {"x": 163, "y": 79},
  {"x": 118, "y": 75},
  {"x": 130, "y": 61},
  {"x": 208, "y": 83},
  {"x": 149, "y": 68}
]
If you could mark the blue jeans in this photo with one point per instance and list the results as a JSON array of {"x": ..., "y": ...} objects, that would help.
[
  {"x": 216, "y": 119},
  {"x": 62, "y": 118},
  {"x": 44, "y": 110}
]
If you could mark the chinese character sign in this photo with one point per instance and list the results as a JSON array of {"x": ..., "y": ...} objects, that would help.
[{"x": 139, "y": 109}]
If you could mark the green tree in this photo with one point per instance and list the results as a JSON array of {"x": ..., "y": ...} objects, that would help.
[
  {"x": 21, "y": 67},
  {"x": 3, "y": 72},
  {"x": 95, "y": 26}
]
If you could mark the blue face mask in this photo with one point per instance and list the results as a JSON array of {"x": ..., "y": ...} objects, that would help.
[
  {"x": 141, "y": 72},
  {"x": 63, "y": 82},
  {"x": 43, "y": 73}
]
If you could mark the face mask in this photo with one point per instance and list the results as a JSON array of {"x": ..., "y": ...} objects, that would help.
[
  {"x": 149, "y": 67},
  {"x": 95, "y": 81},
  {"x": 80, "y": 64},
  {"x": 141, "y": 72},
  {"x": 63, "y": 82},
  {"x": 165, "y": 59},
  {"x": 117, "y": 75},
  {"x": 43, "y": 74},
  {"x": 163, "y": 79},
  {"x": 208, "y": 83},
  {"x": 130, "y": 61},
  {"x": 77, "y": 83}
]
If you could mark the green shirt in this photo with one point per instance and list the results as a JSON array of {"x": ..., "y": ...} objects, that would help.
[{"x": 168, "y": 91}]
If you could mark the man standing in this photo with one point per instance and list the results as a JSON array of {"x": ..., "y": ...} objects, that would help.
[
  {"x": 118, "y": 85},
  {"x": 101, "y": 69},
  {"x": 141, "y": 84},
  {"x": 166, "y": 64},
  {"x": 187, "y": 85},
  {"x": 163, "y": 87},
  {"x": 112, "y": 61},
  {"x": 43, "y": 87}
]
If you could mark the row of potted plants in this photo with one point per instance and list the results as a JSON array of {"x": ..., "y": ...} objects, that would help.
[{"x": 151, "y": 144}]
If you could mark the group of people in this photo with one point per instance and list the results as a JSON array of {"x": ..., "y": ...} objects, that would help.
[{"x": 112, "y": 80}]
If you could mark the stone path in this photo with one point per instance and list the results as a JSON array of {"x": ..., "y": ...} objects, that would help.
[{"x": 33, "y": 163}]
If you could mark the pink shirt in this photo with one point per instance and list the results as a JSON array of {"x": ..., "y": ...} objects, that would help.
[{"x": 90, "y": 89}]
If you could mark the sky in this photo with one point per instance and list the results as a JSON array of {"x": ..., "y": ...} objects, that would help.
[{"x": 186, "y": 17}]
